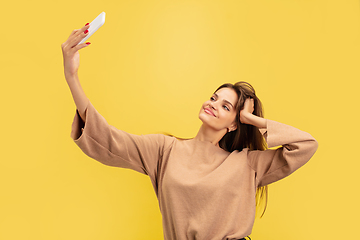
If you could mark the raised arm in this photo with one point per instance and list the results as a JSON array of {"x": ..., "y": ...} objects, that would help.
[
  {"x": 272, "y": 165},
  {"x": 71, "y": 57}
]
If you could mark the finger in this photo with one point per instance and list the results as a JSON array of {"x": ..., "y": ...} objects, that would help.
[
  {"x": 83, "y": 29},
  {"x": 66, "y": 43},
  {"x": 70, "y": 39},
  {"x": 75, "y": 42},
  {"x": 78, "y": 36},
  {"x": 75, "y": 33},
  {"x": 80, "y": 46},
  {"x": 249, "y": 102}
]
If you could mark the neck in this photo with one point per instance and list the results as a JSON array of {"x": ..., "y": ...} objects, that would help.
[{"x": 207, "y": 134}]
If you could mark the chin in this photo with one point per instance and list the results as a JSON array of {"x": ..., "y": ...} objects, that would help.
[{"x": 203, "y": 116}]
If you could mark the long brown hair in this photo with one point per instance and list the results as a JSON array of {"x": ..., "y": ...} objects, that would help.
[{"x": 245, "y": 135}]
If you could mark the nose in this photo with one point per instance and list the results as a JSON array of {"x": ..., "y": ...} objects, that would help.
[{"x": 212, "y": 105}]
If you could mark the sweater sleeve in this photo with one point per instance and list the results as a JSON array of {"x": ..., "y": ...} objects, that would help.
[
  {"x": 114, "y": 147},
  {"x": 274, "y": 164}
]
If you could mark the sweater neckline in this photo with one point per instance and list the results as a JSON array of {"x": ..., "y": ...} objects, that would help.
[{"x": 204, "y": 143}]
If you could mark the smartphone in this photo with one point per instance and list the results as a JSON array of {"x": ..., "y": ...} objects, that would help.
[{"x": 94, "y": 26}]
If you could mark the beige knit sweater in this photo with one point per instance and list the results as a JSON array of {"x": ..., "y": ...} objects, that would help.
[{"x": 204, "y": 192}]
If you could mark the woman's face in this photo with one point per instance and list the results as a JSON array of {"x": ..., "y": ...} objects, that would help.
[{"x": 219, "y": 111}]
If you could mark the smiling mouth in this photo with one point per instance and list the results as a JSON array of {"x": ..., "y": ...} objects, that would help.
[{"x": 208, "y": 111}]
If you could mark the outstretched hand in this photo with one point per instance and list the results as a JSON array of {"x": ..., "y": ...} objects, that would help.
[{"x": 70, "y": 50}]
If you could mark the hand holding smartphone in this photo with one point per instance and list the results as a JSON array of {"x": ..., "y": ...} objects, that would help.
[{"x": 94, "y": 26}]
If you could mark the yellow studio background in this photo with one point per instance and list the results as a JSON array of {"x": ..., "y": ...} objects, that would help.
[{"x": 148, "y": 70}]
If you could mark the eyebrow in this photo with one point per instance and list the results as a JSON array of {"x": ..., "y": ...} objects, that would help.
[{"x": 224, "y": 100}]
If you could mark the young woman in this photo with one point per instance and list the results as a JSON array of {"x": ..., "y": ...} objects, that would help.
[{"x": 206, "y": 186}]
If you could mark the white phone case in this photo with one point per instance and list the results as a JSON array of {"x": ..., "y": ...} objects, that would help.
[{"x": 94, "y": 26}]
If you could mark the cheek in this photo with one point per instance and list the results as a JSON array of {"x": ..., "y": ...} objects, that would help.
[
  {"x": 228, "y": 117},
  {"x": 233, "y": 117},
  {"x": 204, "y": 105}
]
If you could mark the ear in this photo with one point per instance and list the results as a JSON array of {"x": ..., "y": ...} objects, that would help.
[{"x": 233, "y": 127}]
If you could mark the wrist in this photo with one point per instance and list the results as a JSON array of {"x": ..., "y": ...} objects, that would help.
[
  {"x": 245, "y": 117},
  {"x": 71, "y": 77},
  {"x": 254, "y": 120}
]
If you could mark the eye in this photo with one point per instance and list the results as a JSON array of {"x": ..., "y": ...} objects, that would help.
[
  {"x": 212, "y": 99},
  {"x": 226, "y": 108}
]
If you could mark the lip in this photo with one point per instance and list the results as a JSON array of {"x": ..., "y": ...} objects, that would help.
[{"x": 208, "y": 111}]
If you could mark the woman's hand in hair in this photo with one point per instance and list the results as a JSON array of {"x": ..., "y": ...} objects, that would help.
[
  {"x": 247, "y": 116},
  {"x": 246, "y": 111}
]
